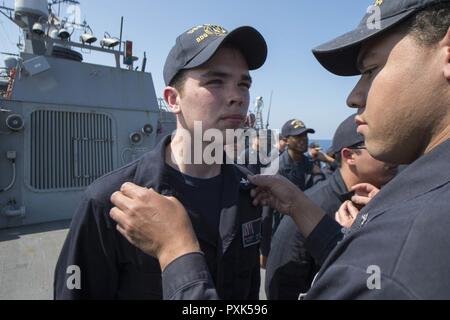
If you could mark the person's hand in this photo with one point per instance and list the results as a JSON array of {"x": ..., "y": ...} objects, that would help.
[
  {"x": 321, "y": 157},
  {"x": 364, "y": 192},
  {"x": 346, "y": 214},
  {"x": 314, "y": 153},
  {"x": 285, "y": 197},
  {"x": 158, "y": 225},
  {"x": 276, "y": 192}
]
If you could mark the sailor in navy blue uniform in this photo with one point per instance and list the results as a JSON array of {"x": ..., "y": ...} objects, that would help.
[
  {"x": 397, "y": 247},
  {"x": 212, "y": 65},
  {"x": 290, "y": 267},
  {"x": 294, "y": 164}
]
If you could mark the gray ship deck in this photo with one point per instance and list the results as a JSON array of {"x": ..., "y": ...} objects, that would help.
[{"x": 28, "y": 257}]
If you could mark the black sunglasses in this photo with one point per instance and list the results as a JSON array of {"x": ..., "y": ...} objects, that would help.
[{"x": 358, "y": 146}]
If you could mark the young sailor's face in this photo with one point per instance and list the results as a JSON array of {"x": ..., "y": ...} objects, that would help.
[
  {"x": 217, "y": 93},
  {"x": 399, "y": 96}
]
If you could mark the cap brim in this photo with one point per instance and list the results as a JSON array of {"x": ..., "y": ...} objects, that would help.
[
  {"x": 247, "y": 39},
  {"x": 340, "y": 55},
  {"x": 334, "y": 149},
  {"x": 302, "y": 131}
]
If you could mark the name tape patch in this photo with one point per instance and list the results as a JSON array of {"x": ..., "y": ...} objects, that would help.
[{"x": 251, "y": 233}]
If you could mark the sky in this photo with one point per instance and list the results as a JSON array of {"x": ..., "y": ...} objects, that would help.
[{"x": 301, "y": 87}]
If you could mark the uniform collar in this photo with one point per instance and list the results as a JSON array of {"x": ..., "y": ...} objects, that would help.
[
  {"x": 152, "y": 173},
  {"x": 427, "y": 173},
  {"x": 338, "y": 185}
]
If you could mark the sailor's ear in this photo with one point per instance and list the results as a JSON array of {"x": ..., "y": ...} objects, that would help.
[
  {"x": 447, "y": 65},
  {"x": 445, "y": 43},
  {"x": 348, "y": 156},
  {"x": 172, "y": 98}
]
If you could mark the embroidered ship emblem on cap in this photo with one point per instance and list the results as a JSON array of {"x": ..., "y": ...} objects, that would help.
[
  {"x": 297, "y": 124},
  {"x": 378, "y": 3}
]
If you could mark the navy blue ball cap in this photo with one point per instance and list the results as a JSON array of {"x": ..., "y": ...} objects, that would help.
[
  {"x": 197, "y": 45},
  {"x": 340, "y": 55},
  {"x": 346, "y": 135},
  {"x": 294, "y": 128}
]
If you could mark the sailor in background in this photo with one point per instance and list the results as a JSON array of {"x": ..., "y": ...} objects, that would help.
[
  {"x": 208, "y": 80},
  {"x": 397, "y": 247},
  {"x": 290, "y": 267}
]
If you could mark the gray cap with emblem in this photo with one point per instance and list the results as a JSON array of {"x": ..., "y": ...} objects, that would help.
[
  {"x": 197, "y": 45},
  {"x": 294, "y": 128}
]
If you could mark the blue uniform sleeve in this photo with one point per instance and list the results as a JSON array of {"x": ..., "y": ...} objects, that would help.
[
  {"x": 316, "y": 178},
  {"x": 86, "y": 268},
  {"x": 188, "y": 278},
  {"x": 323, "y": 239},
  {"x": 290, "y": 268}
]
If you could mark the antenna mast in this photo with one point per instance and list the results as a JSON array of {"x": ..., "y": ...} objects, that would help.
[
  {"x": 259, "y": 106},
  {"x": 58, "y": 2},
  {"x": 270, "y": 108}
]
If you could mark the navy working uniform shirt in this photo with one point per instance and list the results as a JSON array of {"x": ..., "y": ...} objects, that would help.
[
  {"x": 301, "y": 174},
  {"x": 298, "y": 172},
  {"x": 404, "y": 233},
  {"x": 112, "y": 268},
  {"x": 290, "y": 267},
  {"x": 201, "y": 197}
]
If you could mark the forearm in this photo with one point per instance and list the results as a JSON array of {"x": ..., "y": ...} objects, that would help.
[
  {"x": 323, "y": 239},
  {"x": 321, "y": 232},
  {"x": 306, "y": 215},
  {"x": 328, "y": 159},
  {"x": 168, "y": 255}
]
